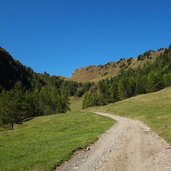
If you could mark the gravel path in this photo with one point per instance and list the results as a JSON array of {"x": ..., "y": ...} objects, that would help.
[{"x": 129, "y": 145}]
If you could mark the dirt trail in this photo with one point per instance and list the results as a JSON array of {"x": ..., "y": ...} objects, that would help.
[{"x": 129, "y": 145}]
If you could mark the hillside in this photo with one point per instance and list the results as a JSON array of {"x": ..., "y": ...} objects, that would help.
[
  {"x": 95, "y": 73},
  {"x": 12, "y": 71},
  {"x": 153, "y": 109},
  {"x": 25, "y": 94}
]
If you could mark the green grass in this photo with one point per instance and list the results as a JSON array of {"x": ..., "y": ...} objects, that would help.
[
  {"x": 76, "y": 104},
  {"x": 154, "y": 109},
  {"x": 44, "y": 142}
]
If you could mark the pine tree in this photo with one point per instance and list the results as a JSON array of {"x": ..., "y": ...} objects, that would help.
[{"x": 13, "y": 108}]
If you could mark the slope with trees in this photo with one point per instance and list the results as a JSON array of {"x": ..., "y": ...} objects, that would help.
[
  {"x": 25, "y": 94},
  {"x": 96, "y": 73},
  {"x": 130, "y": 82}
]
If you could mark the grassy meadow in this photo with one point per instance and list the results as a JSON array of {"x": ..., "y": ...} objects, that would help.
[
  {"x": 154, "y": 109},
  {"x": 44, "y": 142}
]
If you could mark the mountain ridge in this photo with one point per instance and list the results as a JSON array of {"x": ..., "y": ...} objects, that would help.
[
  {"x": 16, "y": 71},
  {"x": 95, "y": 73}
]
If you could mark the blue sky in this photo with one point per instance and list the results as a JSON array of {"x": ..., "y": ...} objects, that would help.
[{"x": 59, "y": 36}]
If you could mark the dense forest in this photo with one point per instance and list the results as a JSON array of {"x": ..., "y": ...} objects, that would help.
[
  {"x": 25, "y": 94},
  {"x": 131, "y": 82}
]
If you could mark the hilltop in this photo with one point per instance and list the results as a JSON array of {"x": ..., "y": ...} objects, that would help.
[{"x": 95, "y": 73}]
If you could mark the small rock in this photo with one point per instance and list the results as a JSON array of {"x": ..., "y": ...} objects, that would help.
[
  {"x": 76, "y": 168},
  {"x": 88, "y": 148}
]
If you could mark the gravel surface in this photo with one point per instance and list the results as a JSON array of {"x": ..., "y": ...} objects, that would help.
[{"x": 129, "y": 145}]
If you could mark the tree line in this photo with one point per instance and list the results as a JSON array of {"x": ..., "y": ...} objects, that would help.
[
  {"x": 131, "y": 82},
  {"x": 25, "y": 94},
  {"x": 19, "y": 104}
]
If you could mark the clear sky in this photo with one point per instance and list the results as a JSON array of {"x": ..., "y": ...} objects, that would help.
[{"x": 59, "y": 36}]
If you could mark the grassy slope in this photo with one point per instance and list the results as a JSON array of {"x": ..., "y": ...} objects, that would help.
[
  {"x": 76, "y": 104},
  {"x": 154, "y": 109},
  {"x": 46, "y": 141}
]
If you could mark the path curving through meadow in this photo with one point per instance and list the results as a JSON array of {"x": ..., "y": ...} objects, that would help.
[{"x": 129, "y": 145}]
